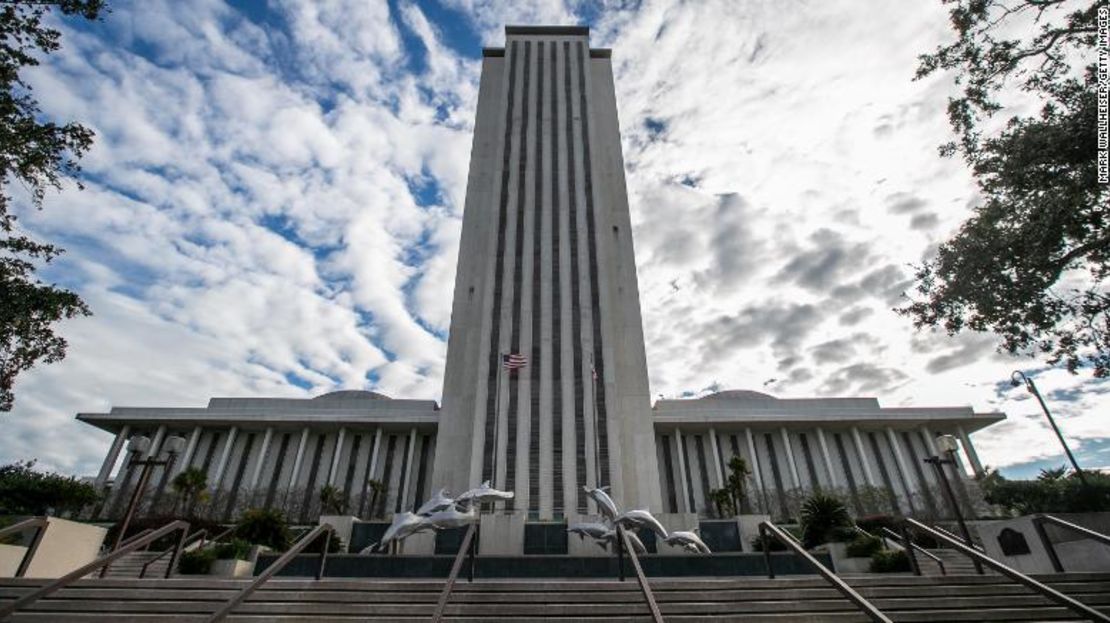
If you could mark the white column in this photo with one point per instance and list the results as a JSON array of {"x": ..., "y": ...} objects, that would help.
[
  {"x": 903, "y": 468},
  {"x": 335, "y": 455},
  {"x": 969, "y": 450},
  {"x": 680, "y": 456},
  {"x": 834, "y": 482},
  {"x": 113, "y": 454},
  {"x": 407, "y": 473},
  {"x": 300, "y": 459},
  {"x": 374, "y": 455},
  {"x": 262, "y": 458},
  {"x": 190, "y": 449},
  {"x": 863, "y": 458},
  {"x": 755, "y": 460},
  {"x": 717, "y": 467},
  {"x": 930, "y": 441},
  {"x": 789, "y": 451},
  {"x": 225, "y": 454},
  {"x": 159, "y": 435}
]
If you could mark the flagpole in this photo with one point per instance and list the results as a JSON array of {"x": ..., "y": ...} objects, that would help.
[
  {"x": 497, "y": 418},
  {"x": 597, "y": 440}
]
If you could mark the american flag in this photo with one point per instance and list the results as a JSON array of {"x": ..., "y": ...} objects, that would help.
[{"x": 513, "y": 361}]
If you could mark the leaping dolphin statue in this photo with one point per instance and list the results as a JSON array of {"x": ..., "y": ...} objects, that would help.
[
  {"x": 605, "y": 504},
  {"x": 589, "y": 529},
  {"x": 440, "y": 501},
  {"x": 404, "y": 525},
  {"x": 484, "y": 493},
  {"x": 637, "y": 544},
  {"x": 687, "y": 540},
  {"x": 641, "y": 519},
  {"x": 453, "y": 518}
]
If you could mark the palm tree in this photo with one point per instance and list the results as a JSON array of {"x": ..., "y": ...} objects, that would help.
[
  {"x": 376, "y": 488},
  {"x": 191, "y": 485},
  {"x": 332, "y": 500}
]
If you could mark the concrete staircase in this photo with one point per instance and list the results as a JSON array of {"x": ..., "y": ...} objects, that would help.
[
  {"x": 132, "y": 564},
  {"x": 751, "y": 600}
]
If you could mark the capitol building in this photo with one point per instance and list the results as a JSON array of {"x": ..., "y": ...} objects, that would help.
[{"x": 546, "y": 384}]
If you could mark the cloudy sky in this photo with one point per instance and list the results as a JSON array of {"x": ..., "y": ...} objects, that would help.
[{"x": 273, "y": 207}]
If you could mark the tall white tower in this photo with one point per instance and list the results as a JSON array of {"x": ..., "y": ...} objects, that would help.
[{"x": 547, "y": 272}]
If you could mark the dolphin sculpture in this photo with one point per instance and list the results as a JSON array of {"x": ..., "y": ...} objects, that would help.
[
  {"x": 641, "y": 519},
  {"x": 637, "y": 544},
  {"x": 404, "y": 525},
  {"x": 438, "y": 502},
  {"x": 605, "y": 504},
  {"x": 688, "y": 541},
  {"x": 453, "y": 518},
  {"x": 482, "y": 494},
  {"x": 590, "y": 529}
]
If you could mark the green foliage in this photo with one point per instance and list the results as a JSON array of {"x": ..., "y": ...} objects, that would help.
[
  {"x": 1051, "y": 495},
  {"x": 197, "y": 562},
  {"x": 873, "y": 523},
  {"x": 376, "y": 488},
  {"x": 235, "y": 548},
  {"x": 335, "y": 545},
  {"x": 264, "y": 526},
  {"x": 863, "y": 546},
  {"x": 1031, "y": 263},
  {"x": 24, "y": 491},
  {"x": 1053, "y": 474},
  {"x": 771, "y": 542},
  {"x": 890, "y": 561},
  {"x": 843, "y": 534},
  {"x": 332, "y": 500},
  {"x": 820, "y": 514},
  {"x": 724, "y": 501},
  {"x": 38, "y": 154},
  {"x": 192, "y": 485}
]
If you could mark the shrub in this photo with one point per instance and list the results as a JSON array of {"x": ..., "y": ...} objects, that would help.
[
  {"x": 820, "y": 514},
  {"x": 843, "y": 534},
  {"x": 235, "y": 548},
  {"x": 197, "y": 561},
  {"x": 335, "y": 545},
  {"x": 863, "y": 546},
  {"x": 264, "y": 526},
  {"x": 873, "y": 523},
  {"x": 1051, "y": 495},
  {"x": 774, "y": 545},
  {"x": 24, "y": 491},
  {"x": 891, "y": 561}
]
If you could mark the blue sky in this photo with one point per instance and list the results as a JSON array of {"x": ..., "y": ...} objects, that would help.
[{"x": 274, "y": 200}]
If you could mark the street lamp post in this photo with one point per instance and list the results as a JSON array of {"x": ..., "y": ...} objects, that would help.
[
  {"x": 947, "y": 444},
  {"x": 1016, "y": 379},
  {"x": 137, "y": 447}
]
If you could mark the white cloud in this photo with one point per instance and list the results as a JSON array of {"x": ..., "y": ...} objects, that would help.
[{"x": 255, "y": 213}]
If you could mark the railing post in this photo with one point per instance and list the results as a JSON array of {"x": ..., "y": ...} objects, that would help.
[
  {"x": 324, "y": 554},
  {"x": 29, "y": 555},
  {"x": 176, "y": 553},
  {"x": 907, "y": 542},
  {"x": 766, "y": 544},
  {"x": 1049, "y": 548},
  {"x": 472, "y": 554},
  {"x": 620, "y": 554}
]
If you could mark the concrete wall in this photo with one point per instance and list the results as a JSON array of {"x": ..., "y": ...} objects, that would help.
[
  {"x": 65, "y": 546},
  {"x": 1076, "y": 552}
]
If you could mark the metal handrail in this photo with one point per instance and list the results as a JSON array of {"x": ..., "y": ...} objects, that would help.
[
  {"x": 915, "y": 546},
  {"x": 39, "y": 524},
  {"x": 644, "y": 587},
  {"x": 1040, "y": 520},
  {"x": 125, "y": 543},
  {"x": 192, "y": 537},
  {"x": 279, "y": 564},
  {"x": 467, "y": 548},
  {"x": 1017, "y": 576},
  {"x": 866, "y": 606},
  {"x": 949, "y": 534},
  {"x": 82, "y": 571}
]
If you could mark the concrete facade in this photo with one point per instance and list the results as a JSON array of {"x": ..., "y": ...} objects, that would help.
[{"x": 547, "y": 270}]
